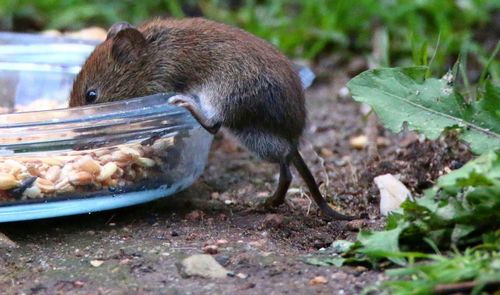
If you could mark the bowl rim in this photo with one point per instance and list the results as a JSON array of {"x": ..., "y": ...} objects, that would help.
[
  {"x": 64, "y": 128},
  {"x": 38, "y": 38},
  {"x": 120, "y": 109}
]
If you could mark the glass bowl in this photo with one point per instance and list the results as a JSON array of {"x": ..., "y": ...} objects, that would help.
[
  {"x": 69, "y": 161},
  {"x": 80, "y": 160},
  {"x": 37, "y": 72}
]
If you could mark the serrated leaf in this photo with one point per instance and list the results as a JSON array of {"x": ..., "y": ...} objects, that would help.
[
  {"x": 428, "y": 106},
  {"x": 481, "y": 171},
  {"x": 378, "y": 244}
]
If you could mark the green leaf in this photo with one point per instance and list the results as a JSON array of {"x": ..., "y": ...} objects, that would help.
[
  {"x": 481, "y": 171},
  {"x": 429, "y": 106},
  {"x": 340, "y": 246},
  {"x": 378, "y": 244}
]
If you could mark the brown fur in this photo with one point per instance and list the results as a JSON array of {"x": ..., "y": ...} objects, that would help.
[
  {"x": 250, "y": 82},
  {"x": 243, "y": 83}
]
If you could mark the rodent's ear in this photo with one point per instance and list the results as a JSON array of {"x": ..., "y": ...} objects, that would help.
[
  {"x": 115, "y": 28},
  {"x": 127, "y": 45}
]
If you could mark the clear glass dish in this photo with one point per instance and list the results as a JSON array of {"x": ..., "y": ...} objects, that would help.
[
  {"x": 117, "y": 154},
  {"x": 68, "y": 161}
]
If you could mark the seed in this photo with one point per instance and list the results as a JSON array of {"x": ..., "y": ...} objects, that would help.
[
  {"x": 64, "y": 186},
  {"x": 53, "y": 173},
  {"x": 45, "y": 185},
  {"x": 110, "y": 182},
  {"x": 107, "y": 170},
  {"x": 23, "y": 176},
  {"x": 62, "y": 183},
  {"x": 131, "y": 152},
  {"x": 15, "y": 166},
  {"x": 105, "y": 159},
  {"x": 7, "y": 181},
  {"x": 88, "y": 164},
  {"x": 120, "y": 156},
  {"x": 80, "y": 178},
  {"x": 123, "y": 164},
  {"x": 52, "y": 161},
  {"x": 33, "y": 192},
  {"x": 33, "y": 170},
  {"x": 145, "y": 162}
]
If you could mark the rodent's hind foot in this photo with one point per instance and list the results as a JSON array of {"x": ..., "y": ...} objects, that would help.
[{"x": 331, "y": 214}]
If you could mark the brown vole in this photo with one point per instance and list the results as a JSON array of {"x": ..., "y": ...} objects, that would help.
[{"x": 225, "y": 77}]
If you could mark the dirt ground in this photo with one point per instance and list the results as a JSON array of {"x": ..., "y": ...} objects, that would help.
[{"x": 140, "y": 246}]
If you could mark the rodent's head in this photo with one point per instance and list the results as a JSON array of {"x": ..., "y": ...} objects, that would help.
[{"x": 114, "y": 70}]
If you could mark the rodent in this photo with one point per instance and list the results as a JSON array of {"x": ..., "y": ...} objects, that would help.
[{"x": 241, "y": 82}]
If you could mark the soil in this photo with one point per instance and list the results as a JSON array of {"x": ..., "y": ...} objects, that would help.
[{"x": 135, "y": 250}]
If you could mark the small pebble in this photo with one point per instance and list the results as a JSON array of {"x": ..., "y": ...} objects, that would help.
[
  {"x": 358, "y": 142},
  {"x": 210, "y": 249},
  {"x": 221, "y": 242},
  {"x": 319, "y": 280},
  {"x": 201, "y": 265},
  {"x": 327, "y": 153},
  {"x": 96, "y": 263},
  {"x": 78, "y": 284},
  {"x": 241, "y": 275}
]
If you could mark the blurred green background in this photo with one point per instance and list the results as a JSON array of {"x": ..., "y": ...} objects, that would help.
[{"x": 409, "y": 32}]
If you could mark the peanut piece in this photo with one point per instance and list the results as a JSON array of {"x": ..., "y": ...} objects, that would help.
[
  {"x": 145, "y": 162},
  {"x": 80, "y": 178},
  {"x": 53, "y": 173},
  {"x": 7, "y": 181},
  {"x": 45, "y": 185},
  {"x": 88, "y": 164},
  {"x": 107, "y": 170}
]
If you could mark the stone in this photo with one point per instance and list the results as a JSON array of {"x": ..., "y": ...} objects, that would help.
[
  {"x": 392, "y": 193},
  {"x": 201, "y": 265},
  {"x": 319, "y": 280}
]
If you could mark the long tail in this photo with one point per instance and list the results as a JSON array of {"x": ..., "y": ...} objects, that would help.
[{"x": 308, "y": 178}]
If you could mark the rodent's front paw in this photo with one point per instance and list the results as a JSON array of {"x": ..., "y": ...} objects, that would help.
[{"x": 180, "y": 100}]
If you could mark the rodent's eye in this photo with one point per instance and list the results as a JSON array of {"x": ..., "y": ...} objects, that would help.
[{"x": 91, "y": 96}]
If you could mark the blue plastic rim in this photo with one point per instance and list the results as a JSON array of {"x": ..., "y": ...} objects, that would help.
[{"x": 49, "y": 209}]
